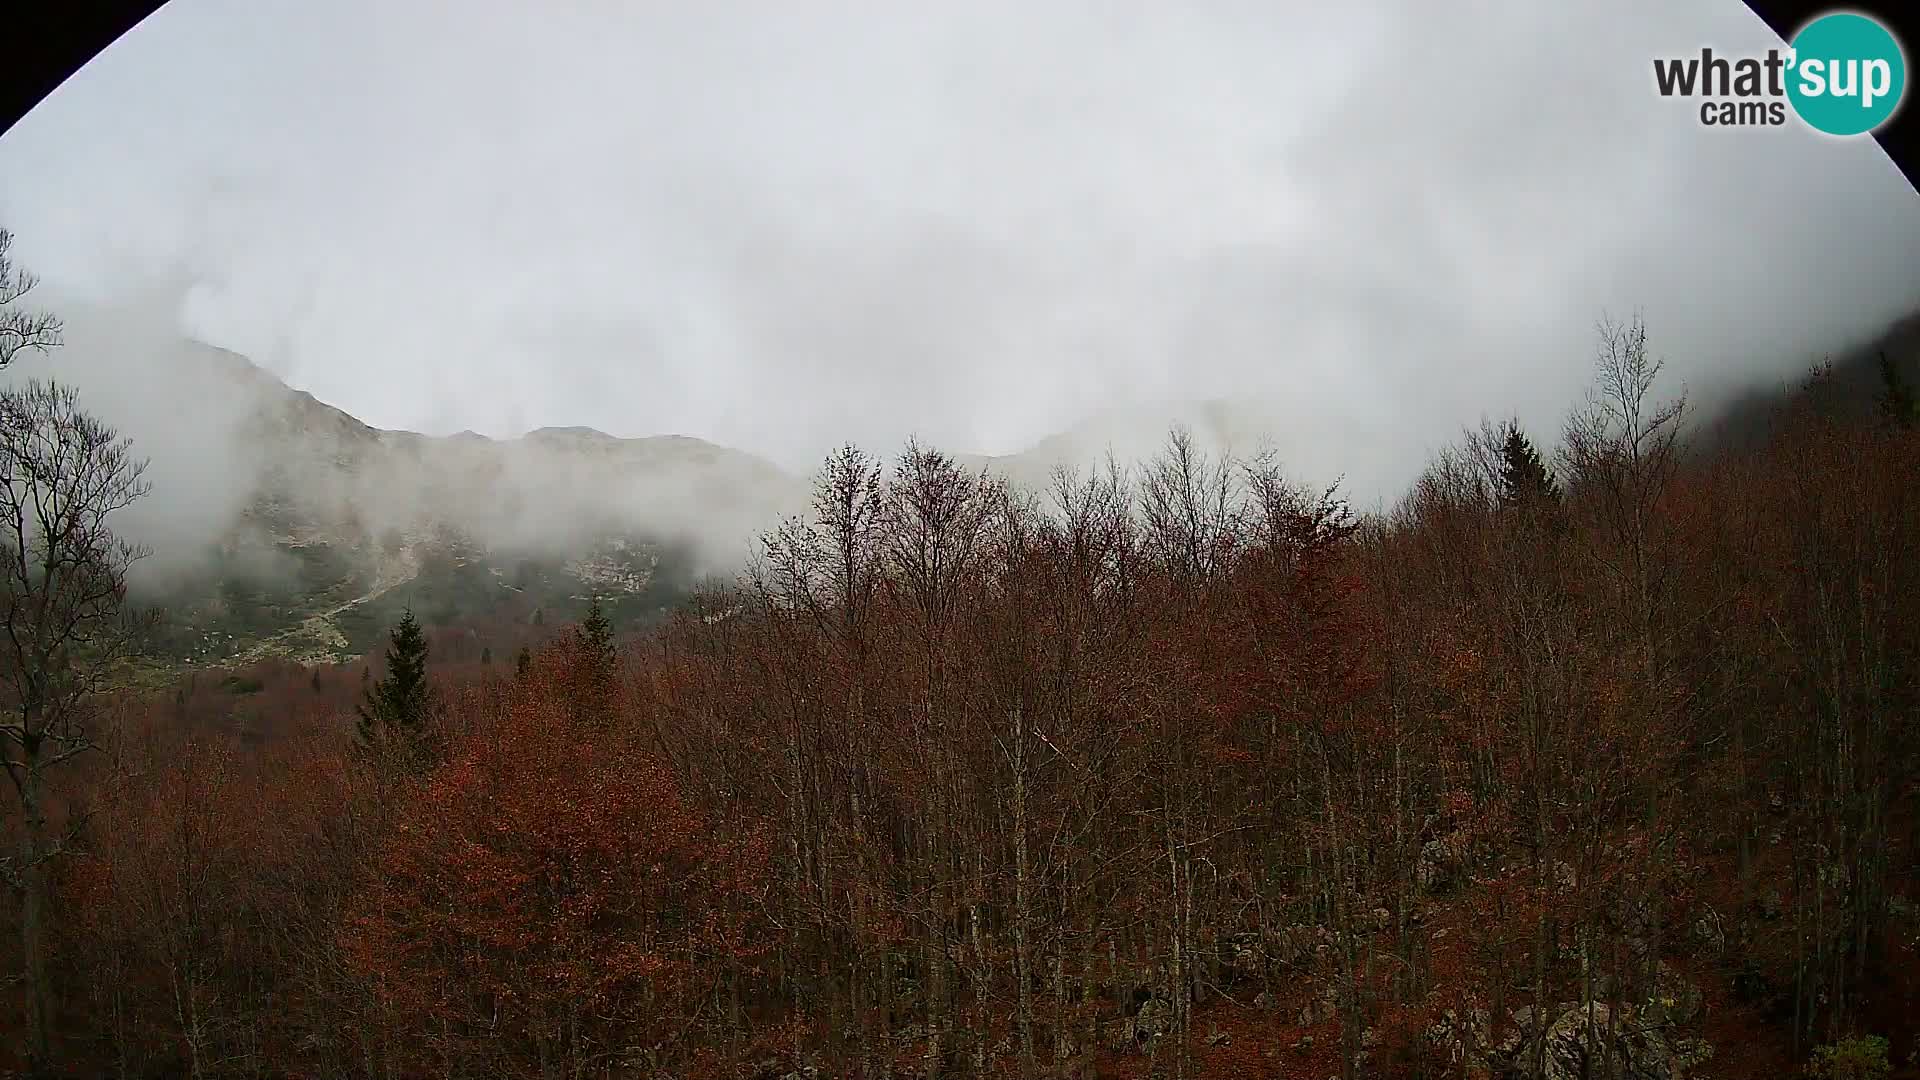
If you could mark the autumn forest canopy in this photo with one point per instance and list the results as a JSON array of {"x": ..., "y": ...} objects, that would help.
[{"x": 1594, "y": 756}]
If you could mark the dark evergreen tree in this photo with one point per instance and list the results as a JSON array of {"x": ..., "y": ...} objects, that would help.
[
  {"x": 598, "y": 664},
  {"x": 596, "y": 635},
  {"x": 1525, "y": 479},
  {"x": 366, "y": 732},
  {"x": 486, "y": 654},
  {"x": 524, "y": 663},
  {"x": 1897, "y": 402},
  {"x": 394, "y": 718}
]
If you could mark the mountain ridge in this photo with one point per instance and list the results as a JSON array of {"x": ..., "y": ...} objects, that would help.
[{"x": 343, "y": 524}]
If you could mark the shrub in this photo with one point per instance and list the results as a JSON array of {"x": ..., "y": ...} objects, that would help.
[{"x": 1862, "y": 1058}]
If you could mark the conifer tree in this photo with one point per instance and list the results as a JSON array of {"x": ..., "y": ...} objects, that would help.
[
  {"x": 598, "y": 661},
  {"x": 366, "y": 733},
  {"x": 596, "y": 635},
  {"x": 395, "y": 715},
  {"x": 524, "y": 663},
  {"x": 1897, "y": 402},
  {"x": 1525, "y": 479}
]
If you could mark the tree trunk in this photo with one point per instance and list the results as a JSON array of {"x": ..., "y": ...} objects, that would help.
[
  {"x": 1022, "y": 949},
  {"x": 1177, "y": 973},
  {"x": 982, "y": 972},
  {"x": 32, "y": 885},
  {"x": 934, "y": 959}
]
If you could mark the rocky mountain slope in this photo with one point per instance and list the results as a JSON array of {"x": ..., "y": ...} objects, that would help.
[
  {"x": 342, "y": 525},
  {"x": 329, "y": 528}
]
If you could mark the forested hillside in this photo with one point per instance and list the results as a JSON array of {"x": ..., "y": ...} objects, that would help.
[{"x": 1592, "y": 758}]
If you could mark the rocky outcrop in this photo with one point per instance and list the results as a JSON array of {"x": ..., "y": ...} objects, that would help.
[
  {"x": 1650, "y": 1040},
  {"x": 616, "y": 565},
  {"x": 1143, "y": 1029},
  {"x": 1442, "y": 863},
  {"x": 1320, "y": 1009},
  {"x": 1709, "y": 931},
  {"x": 1299, "y": 944},
  {"x": 1461, "y": 1041},
  {"x": 1577, "y": 1046}
]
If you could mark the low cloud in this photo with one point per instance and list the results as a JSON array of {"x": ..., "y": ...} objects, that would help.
[{"x": 781, "y": 229}]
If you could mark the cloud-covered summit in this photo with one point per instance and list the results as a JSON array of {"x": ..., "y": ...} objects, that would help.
[{"x": 781, "y": 228}]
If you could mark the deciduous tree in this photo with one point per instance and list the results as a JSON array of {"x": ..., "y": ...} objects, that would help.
[
  {"x": 21, "y": 328},
  {"x": 63, "y": 475}
]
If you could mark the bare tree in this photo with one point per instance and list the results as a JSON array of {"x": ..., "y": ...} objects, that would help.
[
  {"x": 20, "y": 328},
  {"x": 1624, "y": 448},
  {"x": 62, "y": 474},
  {"x": 1192, "y": 506}
]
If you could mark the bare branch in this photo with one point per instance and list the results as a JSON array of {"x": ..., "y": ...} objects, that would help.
[{"x": 21, "y": 328}]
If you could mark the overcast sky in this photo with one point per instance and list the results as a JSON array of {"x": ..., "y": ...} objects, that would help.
[{"x": 782, "y": 226}]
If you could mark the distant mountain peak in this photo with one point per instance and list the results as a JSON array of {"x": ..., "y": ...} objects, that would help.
[{"x": 570, "y": 434}]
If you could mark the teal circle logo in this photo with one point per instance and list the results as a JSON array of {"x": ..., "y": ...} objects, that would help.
[{"x": 1848, "y": 74}]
